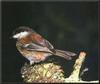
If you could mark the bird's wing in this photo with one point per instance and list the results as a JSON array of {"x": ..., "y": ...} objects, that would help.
[
  {"x": 35, "y": 47},
  {"x": 39, "y": 40},
  {"x": 38, "y": 43},
  {"x": 48, "y": 44}
]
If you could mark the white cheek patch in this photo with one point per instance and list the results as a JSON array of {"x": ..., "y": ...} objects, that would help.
[
  {"x": 16, "y": 36},
  {"x": 21, "y": 34}
]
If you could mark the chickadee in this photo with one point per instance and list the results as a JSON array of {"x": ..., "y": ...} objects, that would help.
[{"x": 34, "y": 47}]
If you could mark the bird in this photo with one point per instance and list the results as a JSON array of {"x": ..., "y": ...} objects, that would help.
[{"x": 35, "y": 47}]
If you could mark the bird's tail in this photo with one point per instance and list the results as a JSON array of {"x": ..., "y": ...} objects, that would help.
[{"x": 65, "y": 54}]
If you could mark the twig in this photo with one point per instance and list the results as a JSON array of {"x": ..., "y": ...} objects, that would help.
[{"x": 74, "y": 77}]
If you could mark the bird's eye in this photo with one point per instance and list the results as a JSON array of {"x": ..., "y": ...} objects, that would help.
[{"x": 18, "y": 31}]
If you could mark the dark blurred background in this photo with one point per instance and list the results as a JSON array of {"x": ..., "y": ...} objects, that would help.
[{"x": 69, "y": 26}]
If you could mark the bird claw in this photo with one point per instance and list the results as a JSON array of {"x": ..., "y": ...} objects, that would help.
[{"x": 31, "y": 62}]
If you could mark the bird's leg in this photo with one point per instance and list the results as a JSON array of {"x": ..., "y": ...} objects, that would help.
[
  {"x": 31, "y": 59},
  {"x": 31, "y": 62}
]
